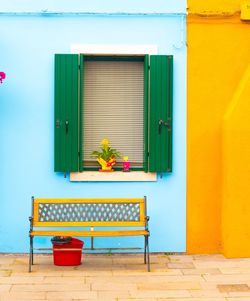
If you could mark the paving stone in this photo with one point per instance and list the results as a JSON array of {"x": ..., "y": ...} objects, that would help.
[
  {"x": 194, "y": 299},
  {"x": 4, "y": 259},
  {"x": 211, "y": 293},
  {"x": 4, "y": 288},
  {"x": 226, "y": 288},
  {"x": 85, "y": 295},
  {"x": 52, "y": 267},
  {"x": 64, "y": 279},
  {"x": 50, "y": 287},
  {"x": 90, "y": 273},
  {"x": 169, "y": 286},
  {"x": 99, "y": 261},
  {"x": 131, "y": 278},
  {"x": 201, "y": 271},
  {"x": 210, "y": 257},
  {"x": 39, "y": 273},
  {"x": 170, "y": 272},
  {"x": 239, "y": 294},
  {"x": 209, "y": 285},
  {"x": 131, "y": 260},
  {"x": 180, "y": 258},
  {"x": 109, "y": 286},
  {"x": 104, "y": 299},
  {"x": 237, "y": 299},
  {"x": 23, "y": 296},
  {"x": 5, "y": 273},
  {"x": 230, "y": 263},
  {"x": 180, "y": 265},
  {"x": 102, "y": 295},
  {"x": 111, "y": 279},
  {"x": 227, "y": 279},
  {"x": 21, "y": 280},
  {"x": 147, "y": 299},
  {"x": 15, "y": 268},
  {"x": 159, "y": 294},
  {"x": 236, "y": 270},
  {"x": 21, "y": 261},
  {"x": 80, "y": 274},
  {"x": 162, "y": 258}
]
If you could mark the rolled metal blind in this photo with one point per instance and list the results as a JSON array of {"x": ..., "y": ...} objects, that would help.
[{"x": 113, "y": 108}]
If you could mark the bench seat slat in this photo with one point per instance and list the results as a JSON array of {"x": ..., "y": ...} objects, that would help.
[
  {"x": 89, "y": 233},
  {"x": 90, "y": 224},
  {"x": 88, "y": 201}
]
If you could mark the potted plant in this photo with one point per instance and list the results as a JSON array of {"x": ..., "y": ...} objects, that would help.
[{"x": 107, "y": 156}]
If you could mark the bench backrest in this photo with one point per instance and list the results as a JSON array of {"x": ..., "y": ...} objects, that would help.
[{"x": 89, "y": 212}]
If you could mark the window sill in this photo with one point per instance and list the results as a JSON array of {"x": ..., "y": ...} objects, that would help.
[{"x": 116, "y": 176}]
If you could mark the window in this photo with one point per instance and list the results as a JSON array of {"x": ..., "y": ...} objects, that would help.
[
  {"x": 127, "y": 99},
  {"x": 113, "y": 107}
]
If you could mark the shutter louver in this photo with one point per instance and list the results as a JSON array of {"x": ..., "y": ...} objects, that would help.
[
  {"x": 113, "y": 108},
  {"x": 66, "y": 112}
]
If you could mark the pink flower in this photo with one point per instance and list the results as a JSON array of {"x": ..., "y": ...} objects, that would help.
[{"x": 2, "y": 76}]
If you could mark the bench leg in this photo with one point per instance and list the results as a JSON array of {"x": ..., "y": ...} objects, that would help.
[
  {"x": 31, "y": 253},
  {"x": 147, "y": 245},
  {"x": 92, "y": 243}
]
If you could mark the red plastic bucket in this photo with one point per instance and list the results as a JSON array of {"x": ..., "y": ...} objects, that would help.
[{"x": 62, "y": 256}]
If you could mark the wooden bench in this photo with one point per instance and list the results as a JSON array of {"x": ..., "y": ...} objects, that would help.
[{"x": 84, "y": 217}]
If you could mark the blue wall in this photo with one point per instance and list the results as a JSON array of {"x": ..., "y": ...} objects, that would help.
[
  {"x": 27, "y": 47},
  {"x": 107, "y": 6}
]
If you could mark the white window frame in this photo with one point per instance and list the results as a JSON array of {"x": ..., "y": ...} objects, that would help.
[{"x": 117, "y": 176}]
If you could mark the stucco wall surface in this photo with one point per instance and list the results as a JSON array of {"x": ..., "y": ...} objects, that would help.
[
  {"x": 218, "y": 57},
  {"x": 28, "y": 45},
  {"x": 98, "y": 6},
  {"x": 236, "y": 171},
  {"x": 213, "y": 6}
]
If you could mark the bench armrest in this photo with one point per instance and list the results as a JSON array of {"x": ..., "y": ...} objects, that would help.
[
  {"x": 31, "y": 223},
  {"x": 147, "y": 220}
]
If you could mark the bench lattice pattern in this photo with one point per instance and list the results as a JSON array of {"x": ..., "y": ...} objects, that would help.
[{"x": 80, "y": 212}]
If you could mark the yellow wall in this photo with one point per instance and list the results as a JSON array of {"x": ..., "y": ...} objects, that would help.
[
  {"x": 213, "y": 6},
  {"x": 218, "y": 55},
  {"x": 236, "y": 171}
]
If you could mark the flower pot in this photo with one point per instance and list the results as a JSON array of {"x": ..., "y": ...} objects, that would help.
[{"x": 106, "y": 165}]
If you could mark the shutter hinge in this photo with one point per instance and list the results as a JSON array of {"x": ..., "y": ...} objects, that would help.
[
  {"x": 78, "y": 154},
  {"x": 79, "y": 67},
  {"x": 148, "y": 67},
  {"x": 148, "y": 154}
]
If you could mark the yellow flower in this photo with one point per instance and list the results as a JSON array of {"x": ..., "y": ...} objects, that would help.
[{"x": 105, "y": 142}]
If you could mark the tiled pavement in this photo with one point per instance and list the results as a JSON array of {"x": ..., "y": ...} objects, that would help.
[{"x": 125, "y": 278}]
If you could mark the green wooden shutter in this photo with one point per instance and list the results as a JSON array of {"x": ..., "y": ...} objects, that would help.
[
  {"x": 160, "y": 113},
  {"x": 66, "y": 112}
]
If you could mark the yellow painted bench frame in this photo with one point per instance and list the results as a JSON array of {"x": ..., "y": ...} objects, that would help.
[{"x": 141, "y": 225}]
